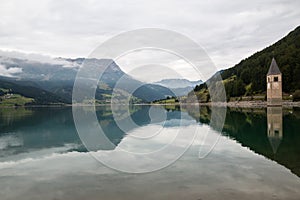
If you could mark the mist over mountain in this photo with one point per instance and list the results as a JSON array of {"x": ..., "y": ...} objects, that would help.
[
  {"x": 178, "y": 83},
  {"x": 57, "y": 76},
  {"x": 180, "y": 87}
]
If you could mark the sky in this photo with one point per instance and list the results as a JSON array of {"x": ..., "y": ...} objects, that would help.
[{"x": 227, "y": 30}]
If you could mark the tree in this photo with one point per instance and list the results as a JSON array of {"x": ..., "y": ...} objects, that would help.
[{"x": 296, "y": 95}]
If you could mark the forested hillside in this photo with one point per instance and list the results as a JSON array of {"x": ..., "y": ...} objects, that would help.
[
  {"x": 37, "y": 95},
  {"x": 248, "y": 77}
]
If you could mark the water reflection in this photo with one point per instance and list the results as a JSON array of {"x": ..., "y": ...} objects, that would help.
[
  {"x": 42, "y": 156},
  {"x": 32, "y": 129},
  {"x": 274, "y": 115},
  {"x": 271, "y": 132}
]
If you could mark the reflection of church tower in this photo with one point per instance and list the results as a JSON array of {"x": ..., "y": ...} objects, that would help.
[
  {"x": 274, "y": 85},
  {"x": 274, "y": 115}
]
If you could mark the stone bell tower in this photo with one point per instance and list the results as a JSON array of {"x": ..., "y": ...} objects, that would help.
[{"x": 274, "y": 85}]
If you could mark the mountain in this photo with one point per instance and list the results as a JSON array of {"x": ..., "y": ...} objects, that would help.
[
  {"x": 40, "y": 96},
  {"x": 178, "y": 83},
  {"x": 56, "y": 77},
  {"x": 180, "y": 87},
  {"x": 248, "y": 77}
]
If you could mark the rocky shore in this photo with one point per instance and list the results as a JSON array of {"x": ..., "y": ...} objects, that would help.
[{"x": 250, "y": 104}]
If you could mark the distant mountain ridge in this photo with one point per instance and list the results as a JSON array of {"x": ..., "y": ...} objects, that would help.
[
  {"x": 56, "y": 78},
  {"x": 178, "y": 83},
  {"x": 180, "y": 87}
]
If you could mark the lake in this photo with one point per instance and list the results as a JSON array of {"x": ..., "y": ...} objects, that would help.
[{"x": 255, "y": 156}]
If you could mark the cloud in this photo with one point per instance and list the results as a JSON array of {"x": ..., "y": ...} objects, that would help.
[
  {"x": 150, "y": 65},
  {"x": 9, "y": 72},
  {"x": 9, "y": 56},
  {"x": 228, "y": 30}
]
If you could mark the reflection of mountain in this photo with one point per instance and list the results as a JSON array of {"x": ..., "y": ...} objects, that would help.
[
  {"x": 40, "y": 129},
  {"x": 249, "y": 127},
  {"x": 26, "y": 130}
]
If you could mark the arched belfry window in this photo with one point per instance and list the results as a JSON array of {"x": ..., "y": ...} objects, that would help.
[{"x": 276, "y": 79}]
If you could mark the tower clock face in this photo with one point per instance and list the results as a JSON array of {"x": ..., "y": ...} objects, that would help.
[{"x": 276, "y": 86}]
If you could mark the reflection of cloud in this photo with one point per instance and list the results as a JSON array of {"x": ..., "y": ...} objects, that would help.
[
  {"x": 10, "y": 141},
  {"x": 161, "y": 137},
  {"x": 8, "y": 160},
  {"x": 9, "y": 72},
  {"x": 231, "y": 170}
]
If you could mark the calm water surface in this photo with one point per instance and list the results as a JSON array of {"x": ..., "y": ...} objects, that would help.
[{"x": 257, "y": 156}]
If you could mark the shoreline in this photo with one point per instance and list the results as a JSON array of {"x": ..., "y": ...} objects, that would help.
[
  {"x": 236, "y": 104},
  {"x": 252, "y": 104}
]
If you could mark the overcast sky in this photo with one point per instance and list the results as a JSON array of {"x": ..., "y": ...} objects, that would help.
[{"x": 228, "y": 30}]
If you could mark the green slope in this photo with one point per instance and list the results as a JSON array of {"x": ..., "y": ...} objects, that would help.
[
  {"x": 14, "y": 94},
  {"x": 248, "y": 76}
]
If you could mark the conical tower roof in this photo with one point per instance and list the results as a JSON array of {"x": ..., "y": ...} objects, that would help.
[{"x": 274, "y": 69}]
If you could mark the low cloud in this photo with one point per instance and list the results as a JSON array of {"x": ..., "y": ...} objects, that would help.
[
  {"x": 9, "y": 72},
  {"x": 9, "y": 56},
  {"x": 228, "y": 30}
]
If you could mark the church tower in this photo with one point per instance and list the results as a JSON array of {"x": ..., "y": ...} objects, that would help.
[{"x": 274, "y": 85}]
